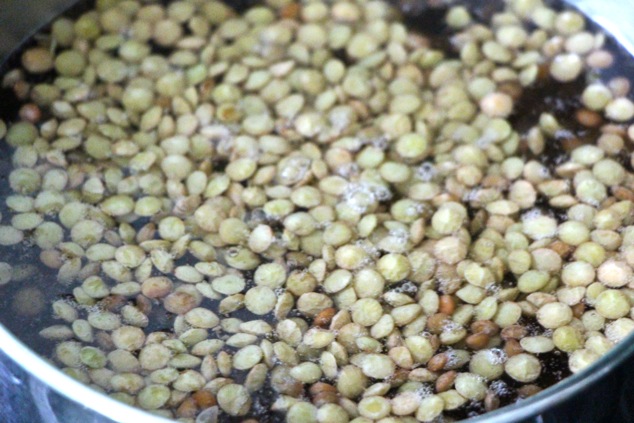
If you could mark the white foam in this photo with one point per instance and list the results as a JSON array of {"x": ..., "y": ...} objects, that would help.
[
  {"x": 500, "y": 388},
  {"x": 348, "y": 170},
  {"x": 361, "y": 195},
  {"x": 496, "y": 356},
  {"x": 424, "y": 391},
  {"x": 426, "y": 172}
]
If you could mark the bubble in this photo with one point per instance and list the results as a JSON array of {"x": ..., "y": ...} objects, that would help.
[
  {"x": 396, "y": 238},
  {"x": 408, "y": 287},
  {"x": 500, "y": 388},
  {"x": 293, "y": 169},
  {"x": 414, "y": 210},
  {"x": 426, "y": 172},
  {"x": 450, "y": 325},
  {"x": 360, "y": 196},
  {"x": 452, "y": 357},
  {"x": 256, "y": 216},
  {"x": 532, "y": 214},
  {"x": 493, "y": 289},
  {"x": 485, "y": 140},
  {"x": 496, "y": 356},
  {"x": 368, "y": 247},
  {"x": 399, "y": 232},
  {"x": 382, "y": 193},
  {"x": 471, "y": 195},
  {"x": 216, "y": 132},
  {"x": 380, "y": 142},
  {"x": 347, "y": 170},
  {"x": 424, "y": 391},
  {"x": 340, "y": 121}
]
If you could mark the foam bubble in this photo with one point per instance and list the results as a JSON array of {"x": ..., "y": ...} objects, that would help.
[
  {"x": 426, "y": 172},
  {"x": 360, "y": 196},
  {"x": 424, "y": 391},
  {"x": 408, "y": 287},
  {"x": 496, "y": 356},
  {"x": 347, "y": 170},
  {"x": 500, "y": 388}
]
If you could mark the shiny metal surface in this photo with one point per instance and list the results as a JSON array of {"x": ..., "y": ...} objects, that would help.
[
  {"x": 613, "y": 15},
  {"x": 36, "y": 391},
  {"x": 31, "y": 389},
  {"x": 19, "y": 19}
]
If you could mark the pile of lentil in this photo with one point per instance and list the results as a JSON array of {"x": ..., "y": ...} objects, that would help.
[{"x": 336, "y": 220}]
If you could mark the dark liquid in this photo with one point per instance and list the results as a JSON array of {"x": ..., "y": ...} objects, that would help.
[{"x": 562, "y": 100}]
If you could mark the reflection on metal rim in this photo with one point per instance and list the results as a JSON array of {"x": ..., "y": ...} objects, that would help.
[
  {"x": 615, "y": 16},
  {"x": 69, "y": 387},
  {"x": 563, "y": 390}
]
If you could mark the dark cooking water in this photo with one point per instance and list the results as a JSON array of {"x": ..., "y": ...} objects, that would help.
[{"x": 562, "y": 100}]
